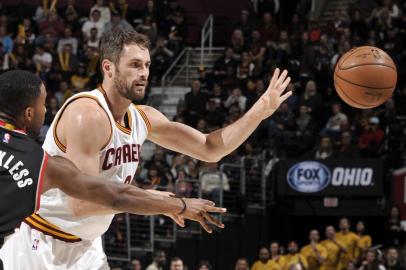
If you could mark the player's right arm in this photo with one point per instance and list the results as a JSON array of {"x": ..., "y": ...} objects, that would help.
[{"x": 63, "y": 174}]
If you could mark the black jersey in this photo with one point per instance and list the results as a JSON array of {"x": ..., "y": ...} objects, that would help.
[{"x": 22, "y": 164}]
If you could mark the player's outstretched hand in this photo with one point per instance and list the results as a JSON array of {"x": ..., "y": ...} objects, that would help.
[
  {"x": 201, "y": 211},
  {"x": 274, "y": 96}
]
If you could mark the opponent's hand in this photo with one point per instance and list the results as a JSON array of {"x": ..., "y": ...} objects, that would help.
[
  {"x": 274, "y": 96},
  {"x": 176, "y": 218},
  {"x": 200, "y": 210}
]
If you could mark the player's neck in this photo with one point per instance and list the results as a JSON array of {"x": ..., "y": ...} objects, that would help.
[{"x": 118, "y": 104}]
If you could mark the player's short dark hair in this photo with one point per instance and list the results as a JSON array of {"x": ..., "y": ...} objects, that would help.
[
  {"x": 113, "y": 42},
  {"x": 19, "y": 89}
]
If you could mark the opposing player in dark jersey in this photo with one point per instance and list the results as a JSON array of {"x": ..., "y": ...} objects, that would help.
[{"x": 26, "y": 170}]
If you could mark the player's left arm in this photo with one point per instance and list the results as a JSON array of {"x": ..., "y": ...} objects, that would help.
[{"x": 215, "y": 145}]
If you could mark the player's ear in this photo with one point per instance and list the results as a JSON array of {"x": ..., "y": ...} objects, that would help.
[
  {"x": 29, "y": 113},
  {"x": 108, "y": 68}
]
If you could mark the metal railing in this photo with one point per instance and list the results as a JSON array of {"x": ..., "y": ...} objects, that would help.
[
  {"x": 247, "y": 189},
  {"x": 206, "y": 34},
  {"x": 117, "y": 240},
  {"x": 172, "y": 74},
  {"x": 233, "y": 200}
]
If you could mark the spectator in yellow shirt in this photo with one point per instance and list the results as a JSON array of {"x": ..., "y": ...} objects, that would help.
[
  {"x": 294, "y": 260},
  {"x": 364, "y": 241},
  {"x": 334, "y": 250},
  {"x": 314, "y": 253},
  {"x": 264, "y": 262},
  {"x": 276, "y": 254},
  {"x": 349, "y": 240}
]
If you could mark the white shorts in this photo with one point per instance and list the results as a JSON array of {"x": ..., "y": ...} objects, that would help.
[{"x": 30, "y": 249}]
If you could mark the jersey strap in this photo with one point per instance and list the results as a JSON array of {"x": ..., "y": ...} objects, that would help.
[
  {"x": 41, "y": 180},
  {"x": 38, "y": 223}
]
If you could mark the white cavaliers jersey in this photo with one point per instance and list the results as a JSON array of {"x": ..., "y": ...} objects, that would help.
[{"x": 118, "y": 162}]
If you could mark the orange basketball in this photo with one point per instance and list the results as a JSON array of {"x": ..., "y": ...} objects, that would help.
[{"x": 365, "y": 77}]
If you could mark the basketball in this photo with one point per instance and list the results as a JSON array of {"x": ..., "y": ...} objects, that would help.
[{"x": 365, "y": 77}]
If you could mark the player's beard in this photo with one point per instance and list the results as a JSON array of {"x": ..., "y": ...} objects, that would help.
[{"x": 127, "y": 90}]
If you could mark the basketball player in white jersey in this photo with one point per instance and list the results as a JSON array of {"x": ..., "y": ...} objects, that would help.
[{"x": 102, "y": 133}]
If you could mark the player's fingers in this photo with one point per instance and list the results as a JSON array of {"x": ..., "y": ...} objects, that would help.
[
  {"x": 281, "y": 78},
  {"x": 205, "y": 226},
  {"x": 275, "y": 77},
  {"x": 285, "y": 96},
  {"x": 213, "y": 220},
  {"x": 213, "y": 209},
  {"x": 178, "y": 220},
  {"x": 284, "y": 85},
  {"x": 207, "y": 202}
]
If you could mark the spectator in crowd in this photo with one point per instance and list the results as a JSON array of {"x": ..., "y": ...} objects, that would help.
[
  {"x": 159, "y": 261},
  {"x": 238, "y": 44},
  {"x": 314, "y": 253},
  {"x": 393, "y": 233},
  {"x": 333, "y": 125},
  {"x": 6, "y": 40},
  {"x": 213, "y": 181},
  {"x": 42, "y": 60},
  {"x": 324, "y": 150},
  {"x": 105, "y": 13},
  {"x": 276, "y": 255},
  {"x": 245, "y": 69},
  {"x": 346, "y": 148},
  {"x": 264, "y": 262},
  {"x": 334, "y": 250},
  {"x": 214, "y": 115},
  {"x": 117, "y": 22},
  {"x": 236, "y": 98},
  {"x": 52, "y": 110},
  {"x": 311, "y": 99},
  {"x": 205, "y": 265},
  {"x": 79, "y": 79},
  {"x": 349, "y": 240},
  {"x": 68, "y": 39},
  {"x": 304, "y": 130},
  {"x": 93, "y": 41},
  {"x": 372, "y": 261},
  {"x": 67, "y": 60},
  {"x": 364, "y": 241},
  {"x": 392, "y": 259},
  {"x": 294, "y": 260},
  {"x": 221, "y": 64},
  {"x": 176, "y": 30},
  {"x": 195, "y": 102},
  {"x": 161, "y": 56},
  {"x": 268, "y": 29},
  {"x": 192, "y": 169},
  {"x": 176, "y": 264},
  {"x": 148, "y": 27},
  {"x": 135, "y": 265},
  {"x": 371, "y": 138},
  {"x": 242, "y": 264},
  {"x": 95, "y": 21},
  {"x": 53, "y": 24},
  {"x": 63, "y": 93}
]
